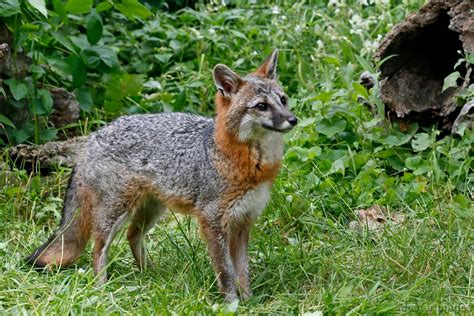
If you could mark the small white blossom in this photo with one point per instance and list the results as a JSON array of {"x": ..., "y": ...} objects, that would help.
[
  {"x": 335, "y": 3},
  {"x": 320, "y": 44}
]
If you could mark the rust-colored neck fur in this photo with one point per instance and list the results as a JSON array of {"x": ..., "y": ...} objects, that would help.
[{"x": 239, "y": 161}]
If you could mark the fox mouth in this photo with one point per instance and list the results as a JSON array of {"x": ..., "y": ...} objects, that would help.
[{"x": 278, "y": 130}]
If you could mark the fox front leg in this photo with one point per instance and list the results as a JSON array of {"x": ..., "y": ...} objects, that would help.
[
  {"x": 218, "y": 246},
  {"x": 239, "y": 240}
]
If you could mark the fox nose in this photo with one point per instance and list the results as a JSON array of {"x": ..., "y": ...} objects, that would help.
[{"x": 292, "y": 120}]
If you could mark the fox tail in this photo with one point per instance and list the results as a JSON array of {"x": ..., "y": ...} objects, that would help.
[{"x": 70, "y": 239}]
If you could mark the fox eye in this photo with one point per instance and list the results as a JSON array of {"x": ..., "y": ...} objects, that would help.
[
  {"x": 262, "y": 106},
  {"x": 283, "y": 100}
]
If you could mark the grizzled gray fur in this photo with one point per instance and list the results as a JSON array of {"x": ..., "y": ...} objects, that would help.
[{"x": 220, "y": 171}]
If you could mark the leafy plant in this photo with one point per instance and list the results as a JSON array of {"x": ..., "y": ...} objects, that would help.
[
  {"x": 67, "y": 48},
  {"x": 340, "y": 158}
]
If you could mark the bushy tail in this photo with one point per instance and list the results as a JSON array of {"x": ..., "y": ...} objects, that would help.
[{"x": 67, "y": 243}]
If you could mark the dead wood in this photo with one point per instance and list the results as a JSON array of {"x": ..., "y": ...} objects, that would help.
[
  {"x": 420, "y": 53},
  {"x": 47, "y": 156}
]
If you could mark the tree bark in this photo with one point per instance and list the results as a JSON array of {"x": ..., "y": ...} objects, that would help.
[
  {"x": 419, "y": 54},
  {"x": 47, "y": 156}
]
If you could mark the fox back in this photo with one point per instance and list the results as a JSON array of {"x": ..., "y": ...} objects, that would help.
[{"x": 219, "y": 170}]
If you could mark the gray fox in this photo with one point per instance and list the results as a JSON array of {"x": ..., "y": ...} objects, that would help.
[{"x": 219, "y": 170}]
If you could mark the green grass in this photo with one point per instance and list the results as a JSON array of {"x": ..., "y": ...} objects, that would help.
[
  {"x": 340, "y": 158},
  {"x": 301, "y": 261}
]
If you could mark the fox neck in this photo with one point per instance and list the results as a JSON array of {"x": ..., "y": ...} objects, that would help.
[{"x": 252, "y": 161}]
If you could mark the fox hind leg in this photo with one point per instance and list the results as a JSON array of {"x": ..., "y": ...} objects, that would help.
[
  {"x": 143, "y": 219},
  {"x": 103, "y": 237}
]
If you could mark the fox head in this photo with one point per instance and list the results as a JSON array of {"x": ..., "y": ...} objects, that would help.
[{"x": 253, "y": 105}]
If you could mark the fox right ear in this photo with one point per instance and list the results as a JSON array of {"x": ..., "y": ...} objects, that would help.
[{"x": 227, "y": 81}]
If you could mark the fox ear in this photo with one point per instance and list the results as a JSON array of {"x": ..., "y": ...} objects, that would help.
[
  {"x": 227, "y": 81},
  {"x": 269, "y": 66}
]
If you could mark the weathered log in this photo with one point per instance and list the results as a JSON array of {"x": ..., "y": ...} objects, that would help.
[
  {"x": 420, "y": 53},
  {"x": 47, "y": 156},
  {"x": 66, "y": 108}
]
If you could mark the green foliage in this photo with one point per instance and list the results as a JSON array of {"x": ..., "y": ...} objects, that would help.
[
  {"x": 339, "y": 158},
  {"x": 67, "y": 49},
  {"x": 9, "y": 8}
]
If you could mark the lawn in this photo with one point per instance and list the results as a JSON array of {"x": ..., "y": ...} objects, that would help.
[{"x": 339, "y": 159}]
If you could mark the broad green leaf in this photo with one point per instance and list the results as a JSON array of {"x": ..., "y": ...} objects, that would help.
[
  {"x": 307, "y": 122},
  {"x": 421, "y": 141},
  {"x": 59, "y": 66},
  {"x": 18, "y": 89},
  {"x": 78, "y": 70},
  {"x": 36, "y": 107},
  {"x": 451, "y": 80},
  {"x": 361, "y": 90},
  {"x": 9, "y": 7},
  {"x": 133, "y": 9},
  {"x": 20, "y": 135},
  {"x": 6, "y": 121},
  {"x": 39, "y": 5},
  {"x": 60, "y": 9},
  {"x": 163, "y": 58},
  {"x": 63, "y": 41},
  {"x": 332, "y": 60},
  {"x": 338, "y": 166},
  {"x": 78, "y": 6},
  {"x": 325, "y": 96},
  {"x": 47, "y": 135},
  {"x": 103, "y": 6},
  {"x": 396, "y": 139},
  {"x": 84, "y": 98},
  {"x": 470, "y": 58},
  {"x": 91, "y": 58},
  {"x": 107, "y": 55},
  {"x": 112, "y": 106},
  {"x": 46, "y": 100},
  {"x": 94, "y": 27},
  {"x": 297, "y": 152},
  {"x": 37, "y": 71},
  {"x": 413, "y": 162},
  {"x": 313, "y": 152},
  {"x": 180, "y": 101},
  {"x": 121, "y": 86},
  {"x": 331, "y": 127}
]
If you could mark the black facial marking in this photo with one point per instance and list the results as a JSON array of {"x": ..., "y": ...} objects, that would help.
[{"x": 262, "y": 106}]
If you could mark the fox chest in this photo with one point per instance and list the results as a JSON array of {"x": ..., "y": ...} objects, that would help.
[{"x": 250, "y": 205}]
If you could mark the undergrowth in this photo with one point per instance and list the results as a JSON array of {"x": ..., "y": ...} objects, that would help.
[{"x": 340, "y": 158}]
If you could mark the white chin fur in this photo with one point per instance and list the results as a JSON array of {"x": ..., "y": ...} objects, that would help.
[
  {"x": 250, "y": 128},
  {"x": 285, "y": 125}
]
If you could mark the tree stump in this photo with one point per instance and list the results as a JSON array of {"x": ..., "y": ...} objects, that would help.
[{"x": 420, "y": 53}]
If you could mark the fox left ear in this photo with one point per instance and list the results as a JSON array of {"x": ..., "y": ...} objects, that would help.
[{"x": 269, "y": 66}]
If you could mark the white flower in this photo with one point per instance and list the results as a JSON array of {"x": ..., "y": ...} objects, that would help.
[{"x": 320, "y": 44}]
